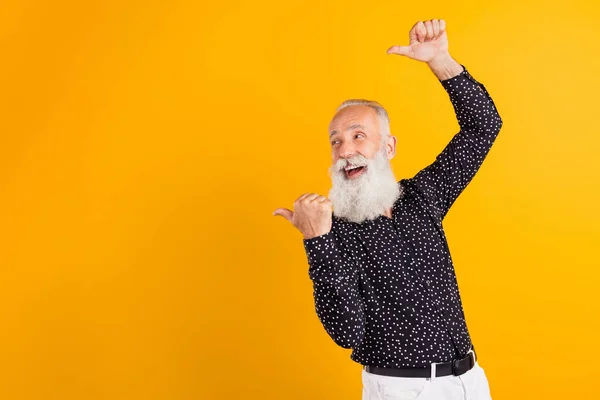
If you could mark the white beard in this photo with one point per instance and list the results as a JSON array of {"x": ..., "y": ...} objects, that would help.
[{"x": 369, "y": 195}]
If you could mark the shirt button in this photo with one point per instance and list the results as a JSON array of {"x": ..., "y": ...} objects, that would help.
[{"x": 428, "y": 282}]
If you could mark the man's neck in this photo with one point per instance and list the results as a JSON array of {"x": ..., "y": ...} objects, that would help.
[{"x": 388, "y": 213}]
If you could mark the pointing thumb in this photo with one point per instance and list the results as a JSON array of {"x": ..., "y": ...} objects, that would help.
[
  {"x": 285, "y": 213},
  {"x": 400, "y": 50}
]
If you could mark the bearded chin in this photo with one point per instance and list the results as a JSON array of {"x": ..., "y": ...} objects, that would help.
[{"x": 369, "y": 195}]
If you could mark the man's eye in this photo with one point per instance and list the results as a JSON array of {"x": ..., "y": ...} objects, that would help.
[{"x": 359, "y": 134}]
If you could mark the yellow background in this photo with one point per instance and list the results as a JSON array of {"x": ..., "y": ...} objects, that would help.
[{"x": 144, "y": 146}]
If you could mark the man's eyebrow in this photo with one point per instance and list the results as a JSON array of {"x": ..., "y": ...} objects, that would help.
[{"x": 351, "y": 127}]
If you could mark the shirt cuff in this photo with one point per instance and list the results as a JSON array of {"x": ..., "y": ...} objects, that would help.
[
  {"x": 320, "y": 248},
  {"x": 463, "y": 74},
  {"x": 461, "y": 85}
]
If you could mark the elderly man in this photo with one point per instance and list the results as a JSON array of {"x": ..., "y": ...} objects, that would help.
[{"x": 384, "y": 283}]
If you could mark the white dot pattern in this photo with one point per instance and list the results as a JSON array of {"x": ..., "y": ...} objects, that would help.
[{"x": 386, "y": 287}]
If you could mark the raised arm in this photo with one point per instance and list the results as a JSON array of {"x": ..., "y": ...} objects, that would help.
[{"x": 443, "y": 181}]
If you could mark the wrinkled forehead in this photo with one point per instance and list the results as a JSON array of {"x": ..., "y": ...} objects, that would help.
[{"x": 354, "y": 117}]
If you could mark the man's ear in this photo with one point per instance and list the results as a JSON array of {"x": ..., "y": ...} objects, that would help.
[{"x": 391, "y": 147}]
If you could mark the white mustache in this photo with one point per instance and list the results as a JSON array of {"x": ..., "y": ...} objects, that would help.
[{"x": 351, "y": 162}]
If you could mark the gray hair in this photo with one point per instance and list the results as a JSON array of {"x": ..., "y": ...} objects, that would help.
[{"x": 384, "y": 119}]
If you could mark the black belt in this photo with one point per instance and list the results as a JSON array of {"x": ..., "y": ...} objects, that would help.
[{"x": 455, "y": 367}]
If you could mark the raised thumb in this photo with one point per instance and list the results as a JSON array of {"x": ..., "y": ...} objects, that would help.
[
  {"x": 400, "y": 50},
  {"x": 285, "y": 213}
]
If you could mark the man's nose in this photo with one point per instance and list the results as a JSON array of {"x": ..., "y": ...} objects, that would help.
[{"x": 347, "y": 150}]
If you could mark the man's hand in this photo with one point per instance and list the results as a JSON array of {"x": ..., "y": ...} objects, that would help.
[
  {"x": 312, "y": 215},
  {"x": 428, "y": 42}
]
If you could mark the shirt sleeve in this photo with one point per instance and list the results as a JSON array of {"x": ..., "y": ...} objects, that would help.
[
  {"x": 445, "y": 179},
  {"x": 335, "y": 278}
]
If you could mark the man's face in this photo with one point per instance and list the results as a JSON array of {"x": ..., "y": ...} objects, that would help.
[
  {"x": 356, "y": 130},
  {"x": 363, "y": 183}
]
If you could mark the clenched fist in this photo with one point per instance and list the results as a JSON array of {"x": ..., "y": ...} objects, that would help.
[{"x": 312, "y": 215}]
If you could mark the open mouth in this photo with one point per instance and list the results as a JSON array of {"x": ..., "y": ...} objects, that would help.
[{"x": 353, "y": 172}]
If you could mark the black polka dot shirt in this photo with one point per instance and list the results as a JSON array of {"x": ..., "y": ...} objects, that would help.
[{"x": 386, "y": 288}]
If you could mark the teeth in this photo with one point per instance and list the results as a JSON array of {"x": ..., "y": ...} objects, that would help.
[{"x": 352, "y": 167}]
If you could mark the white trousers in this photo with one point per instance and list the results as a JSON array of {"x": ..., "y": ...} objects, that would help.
[{"x": 472, "y": 385}]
